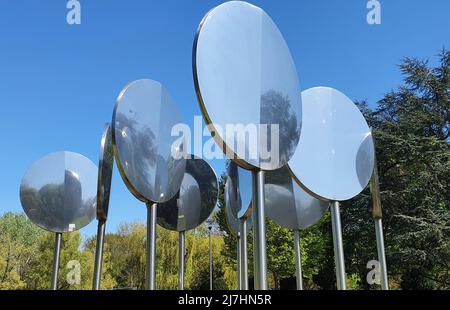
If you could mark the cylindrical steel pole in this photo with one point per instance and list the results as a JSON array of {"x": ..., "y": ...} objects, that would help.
[
  {"x": 210, "y": 262},
  {"x": 338, "y": 246},
  {"x": 181, "y": 252},
  {"x": 381, "y": 253},
  {"x": 150, "y": 279},
  {"x": 259, "y": 231},
  {"x": 298, "y": 260},
  {"x": 56, "y": 255},
  {"x": 377, "y": 215},
  {"x": 238, "y": 261},
  {"x": 99, "y": 255},
  {"x": 243, "y": 251}
]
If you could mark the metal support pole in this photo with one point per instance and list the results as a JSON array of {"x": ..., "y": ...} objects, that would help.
[
  {"x": 377, "y": 215},
  {"x": 298, "y": 260},
  {"x": 151, "y": 246},
  {"x": 243, "y": 252},
  {"x": 238, "y": 261},
  {"x": 210, "y": 262},
  {"x": 181, "y": 253},
  {"x": 381, "y": 254},
  {"x": 259, "y": 231},
  {"x": 56, "y": 255},
  {"x": 338, "y": 246},
  {"x": 99, "y": 255}
]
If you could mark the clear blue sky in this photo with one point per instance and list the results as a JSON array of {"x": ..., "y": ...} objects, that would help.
[{"x": 59, "y": 83}]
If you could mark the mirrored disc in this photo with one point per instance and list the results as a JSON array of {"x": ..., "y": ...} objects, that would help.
[
  {"x": 288, "y": 204},
  {"x": 335, "y": 157},
  {"x": 142, "y": 123},
  {"x": 232, "y": 221},
  {"x": 245, "y": 77},
  {"x": 105, "y": 169},
  {"x": 194, "y": 202},
  {"x": 59, "y": 192},
  {"x": 241, "y": 190}
]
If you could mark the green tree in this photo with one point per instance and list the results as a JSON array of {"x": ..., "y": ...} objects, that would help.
[
  {"x": 39, "y": 276},
  {"x": 18, "y": 249},
  {"x": 27, "y": 261},
  {"x": 411, "y": 128},
  {"x": 127, "y": 252}
]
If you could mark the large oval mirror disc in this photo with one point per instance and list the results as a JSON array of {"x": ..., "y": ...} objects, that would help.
[
  {"x": 194, "y": 202},
  {"x": 150, "y": 163},
  {"x": 105, "y": 170},
  {"x": 230, "y": 201},
  {"x": 247, "y": 86},
  {"x": 240, "y": 188},
  {"x": 288, "y": 204},
  {"x": 335, "y": 157},
  {"x": 59, "y": 192}
]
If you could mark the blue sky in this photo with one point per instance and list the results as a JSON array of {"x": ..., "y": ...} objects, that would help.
[{"x": 59, "y": 82}]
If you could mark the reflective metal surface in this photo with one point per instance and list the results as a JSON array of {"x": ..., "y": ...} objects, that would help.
[
  {"x": 230, "y": 199},
  {"x": 377, "y": 215},
  {"x": 105, "y": 169},
  {"x": 298, "y": 261},
  {"x": 381, "y": 253},
  {"x": 238, "y": 264},
  {"x": 244, "y": 74},
  {"x": 232, "y": 221},
  {"x": 240, "y": 191},
  {"x": 150, "y": 270},
  {"x": 243, "y": 253},
  {"x": 181, "y": 259},
  {"x": 335, "y": 157},
  {"x": 56, "y": 258},
  {"x": 288, "y": 204},
  {"x": 240, "y": 229},
  {"x": 98, "y": 261},
  {"x": 377, "y": 212},
  {"x": 195, "y": 201},
  {"x": 142, "y": 123},
  {"x": 259, "y": 231},
  {"x": 59, "y": 192},
  {"x": 339, "y": 259}
]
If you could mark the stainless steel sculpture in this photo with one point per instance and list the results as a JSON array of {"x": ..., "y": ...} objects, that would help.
[
  {"x": 238, "y": 227},
  {"x": 105, "y": 170},
  {"x": 58, "y": 194},
  {"x": 291, "y": 207},
  {"x": 248, "y": 90},
  {"x": 335, "y": 156},
  {"x": 149, "y": 159},
  {"x": 191, "y": 206}
]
